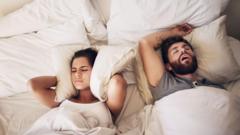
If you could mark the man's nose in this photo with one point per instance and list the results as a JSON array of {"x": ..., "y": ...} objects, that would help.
[{"x": 182, "y": 50}]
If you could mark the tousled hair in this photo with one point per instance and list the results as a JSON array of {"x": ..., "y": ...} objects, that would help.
[
  {"x": 89, "y": 53},
  {"x": 167, "y": 43}
]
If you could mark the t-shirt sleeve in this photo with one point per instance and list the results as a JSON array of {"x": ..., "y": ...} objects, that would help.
[{"x": 166, "y": 83}]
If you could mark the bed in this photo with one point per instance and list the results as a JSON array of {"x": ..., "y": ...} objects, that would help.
[{"x": 29, "y": 30}]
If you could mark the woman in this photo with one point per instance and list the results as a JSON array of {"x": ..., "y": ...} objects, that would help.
[{"x": 81, "y": 67}]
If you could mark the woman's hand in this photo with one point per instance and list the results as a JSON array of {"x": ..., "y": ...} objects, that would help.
[
  {"x": 41, "y": 87},
  {"x": 182, "y": 30}
]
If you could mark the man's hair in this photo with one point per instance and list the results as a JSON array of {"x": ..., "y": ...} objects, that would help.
[
  {"x": 167, "y": 43},
  {"x": 89, "y": 53}
]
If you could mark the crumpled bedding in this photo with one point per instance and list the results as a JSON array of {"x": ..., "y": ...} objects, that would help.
[
  {"x": 198, "y": 111},
  {"x": 75, "y": 118}
]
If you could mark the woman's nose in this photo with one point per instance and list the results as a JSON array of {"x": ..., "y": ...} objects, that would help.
[{"x": 78, "y": 74}]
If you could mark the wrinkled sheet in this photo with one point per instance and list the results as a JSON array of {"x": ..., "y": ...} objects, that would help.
[
  {"x": 197, "y": 111},
  {"x": 22, "y": 57},
  {"x": 18, "y": 112},
  {"x": 63, "y": 122}
]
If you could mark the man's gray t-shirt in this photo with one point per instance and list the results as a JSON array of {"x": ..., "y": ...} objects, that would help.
[{"x": 170, "y": 84}]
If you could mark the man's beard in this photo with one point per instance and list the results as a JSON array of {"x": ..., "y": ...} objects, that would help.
[{"x": 183, "y": 69}]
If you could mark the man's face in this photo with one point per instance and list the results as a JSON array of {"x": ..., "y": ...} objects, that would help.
[{"x": 182, "y": 59}]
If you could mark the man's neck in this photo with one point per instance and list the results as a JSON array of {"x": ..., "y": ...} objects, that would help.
[{"x": 191, "y": 76}]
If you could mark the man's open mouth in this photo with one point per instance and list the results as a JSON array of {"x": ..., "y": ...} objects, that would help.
[{"x": 184, "y": 58}]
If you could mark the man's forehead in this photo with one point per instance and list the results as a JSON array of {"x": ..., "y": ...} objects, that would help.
[{"x": 178, "y": 44}]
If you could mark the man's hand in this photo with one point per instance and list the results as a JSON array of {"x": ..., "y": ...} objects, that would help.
[{"x": 182, "y": 30}]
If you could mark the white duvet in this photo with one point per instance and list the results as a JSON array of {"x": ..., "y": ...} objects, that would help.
[
  {"x": 198, "y": 111},
  {"x": 208, "y": 111},
  {"x": 75, "y": 118}
]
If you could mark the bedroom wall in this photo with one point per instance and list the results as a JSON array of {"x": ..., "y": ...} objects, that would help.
[{"x": 233, "y": 18}]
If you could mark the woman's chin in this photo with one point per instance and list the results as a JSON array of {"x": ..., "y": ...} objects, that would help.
[{"x": 81, "y": 88}]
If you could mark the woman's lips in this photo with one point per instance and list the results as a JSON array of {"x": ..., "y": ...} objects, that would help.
[{"x": 78, "y": 81}]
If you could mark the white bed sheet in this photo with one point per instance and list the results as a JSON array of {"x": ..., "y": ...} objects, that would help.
[
  {"x": 18, "y": 112},
  {"x": 22, "y": 57}
]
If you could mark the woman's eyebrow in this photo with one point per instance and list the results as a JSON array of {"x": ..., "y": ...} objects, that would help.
[{"x": 83, "y": 66}]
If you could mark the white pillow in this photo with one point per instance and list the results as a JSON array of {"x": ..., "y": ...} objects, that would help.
[
  {"x": 119, "y": 59},
  {"x": 71, "y": 32},
  {"x": 110, "y": 60},
  {"x": 235, "y": 47},
  {"x": 215, "y": 59},
  {"x": 141, "y": 16},
  {"x": 61, "y": 56},
  {"x": 199, "y": 111},
  {"x": 41, "y": 14},
  {"x": 103, "y": 8},
  {"x": 8, "y": 6},
  {"x": 37, "y": 15},
  {"x": 93, "y": 22}
]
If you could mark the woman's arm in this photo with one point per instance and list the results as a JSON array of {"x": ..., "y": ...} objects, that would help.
[
  {"x": 41, "y": 87},
  {"x": 116, "y": 94},
  {"x": 152, "y": 62}
]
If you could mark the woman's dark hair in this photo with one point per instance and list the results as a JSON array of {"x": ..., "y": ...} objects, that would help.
[
  {"x": 167, "y": 43},
  {"x": 89, "y": 53}
]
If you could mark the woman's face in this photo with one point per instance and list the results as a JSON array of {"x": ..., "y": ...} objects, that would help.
[{"x": 80, "y": 73}]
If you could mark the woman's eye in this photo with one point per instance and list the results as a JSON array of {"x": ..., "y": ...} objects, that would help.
[
  {"x": 83, "y": 70},
  {"x": 73, "y": 71}
]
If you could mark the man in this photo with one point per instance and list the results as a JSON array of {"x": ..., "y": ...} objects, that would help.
[{"x": 176, "y": 70}]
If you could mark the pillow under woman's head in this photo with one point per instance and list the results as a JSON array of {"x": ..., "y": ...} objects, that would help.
[
  {"x": 110, "y": 60},
  {"x": 65, "y": 66}
]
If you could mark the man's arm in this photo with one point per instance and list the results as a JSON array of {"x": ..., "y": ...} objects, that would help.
[
  {"x": 152, "y": 62},
  {"x": 41, "y": 87}
]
